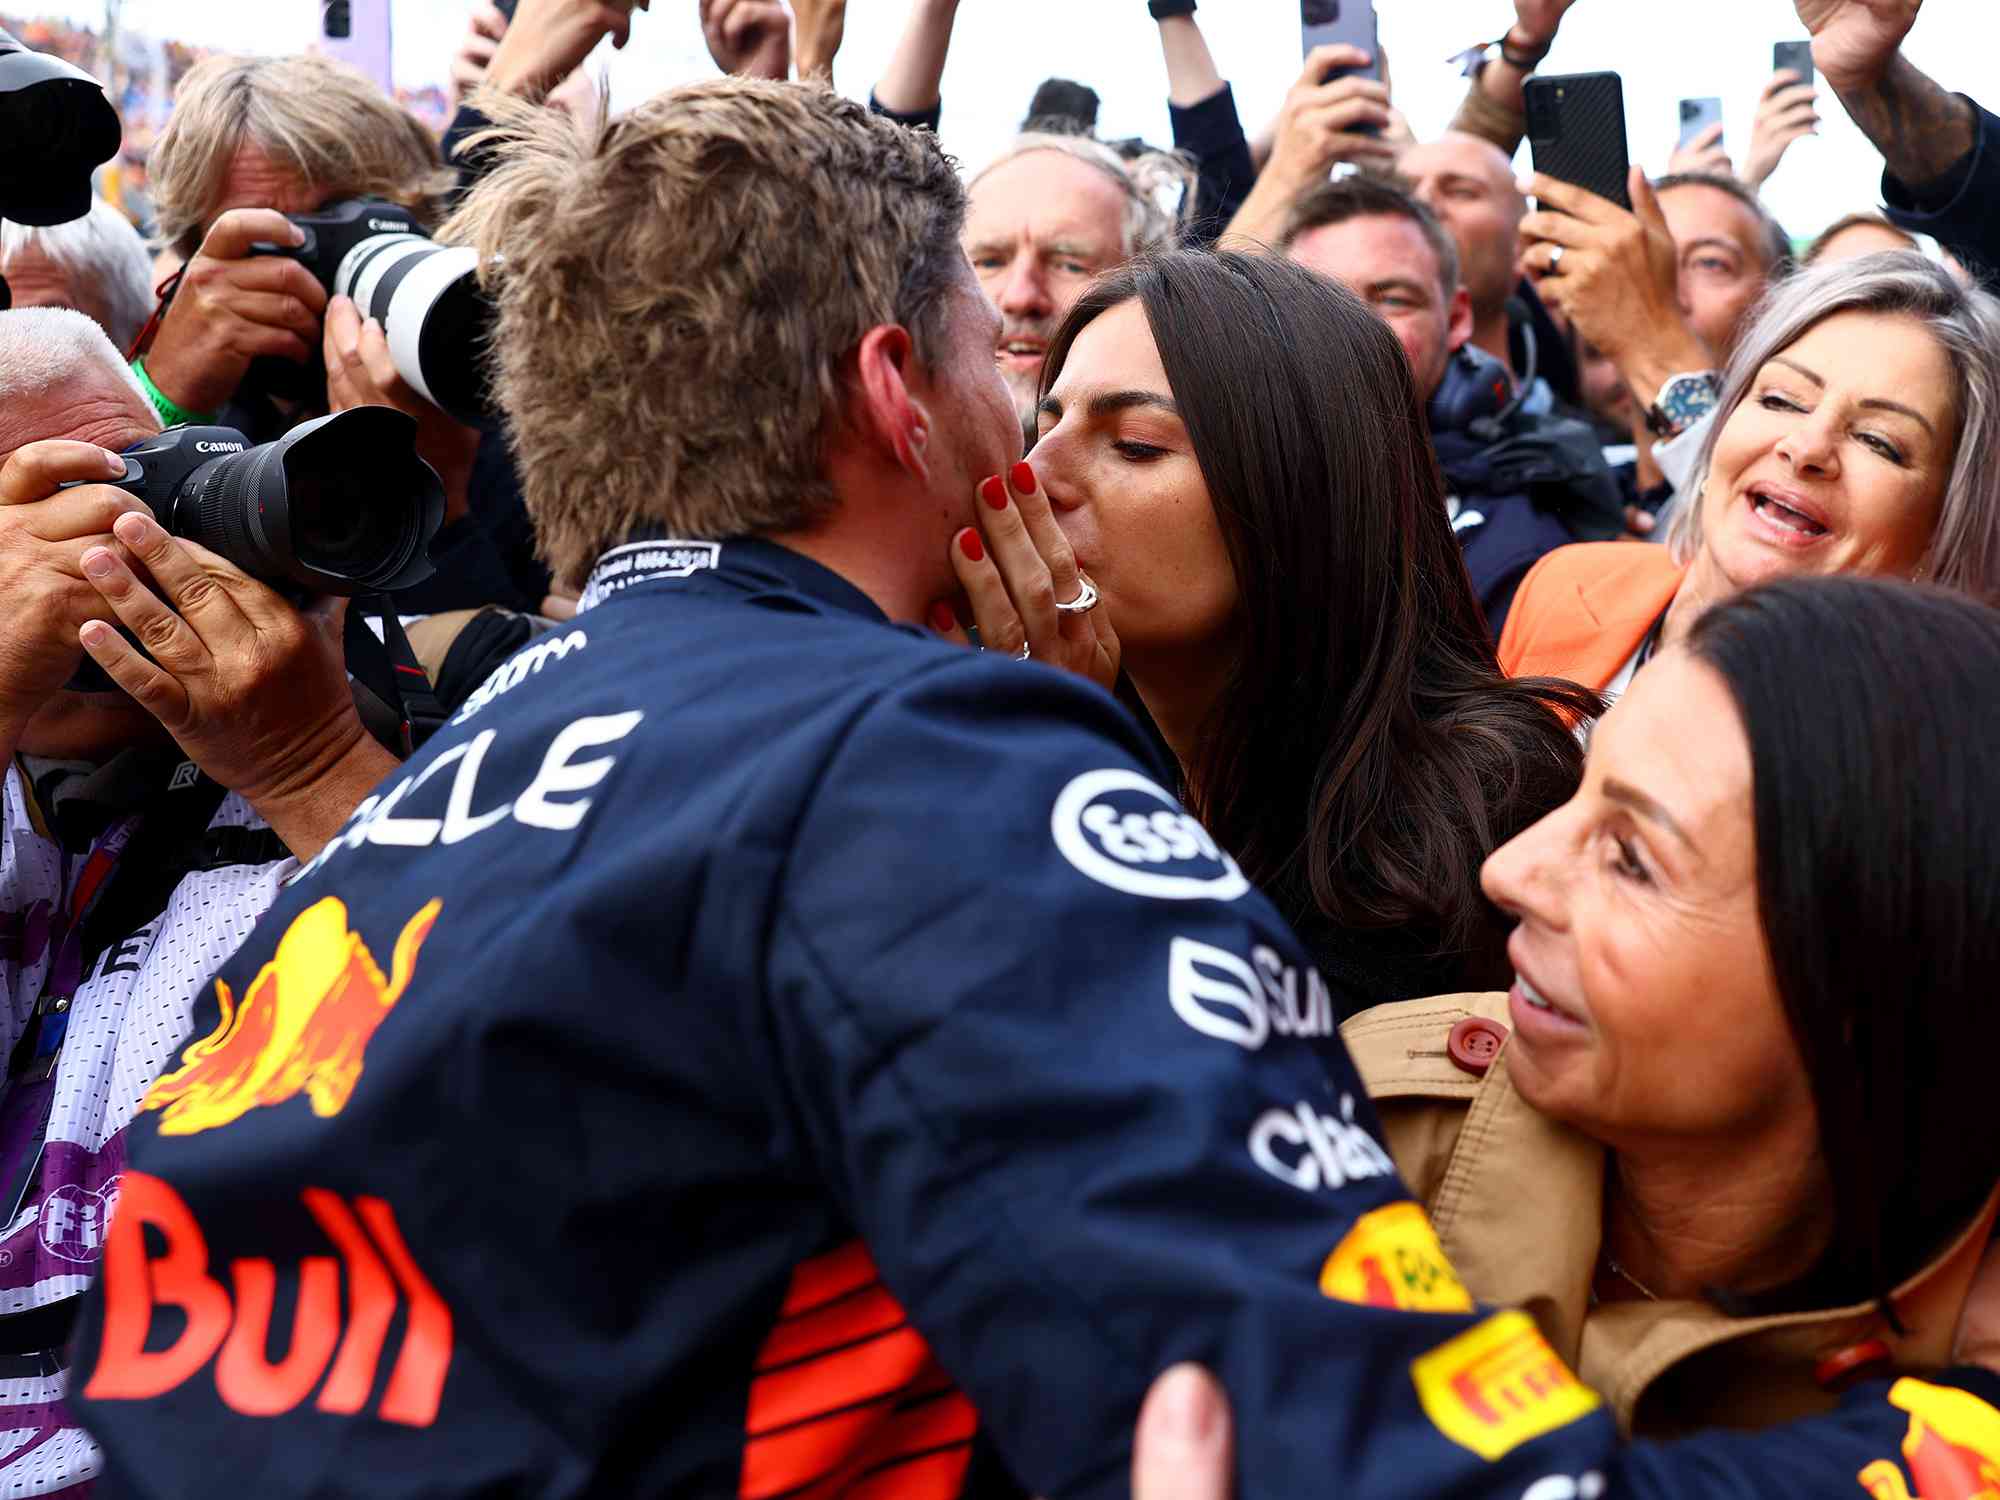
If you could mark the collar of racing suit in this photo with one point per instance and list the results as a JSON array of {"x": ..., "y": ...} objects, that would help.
[{"x": 749, "y": 566}]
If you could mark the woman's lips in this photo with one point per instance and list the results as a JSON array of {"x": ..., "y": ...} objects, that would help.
[
  {"x": 1537, "y": 1018},
  {"x": 1785, "y": 518}
]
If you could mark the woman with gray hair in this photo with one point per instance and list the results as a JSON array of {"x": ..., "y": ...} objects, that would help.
[{"x": 1858, "y": 433}]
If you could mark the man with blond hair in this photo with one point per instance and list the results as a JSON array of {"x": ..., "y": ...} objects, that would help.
[
  {"x": 250, "y": 140},
  {"x": 757, "y": 1049}
]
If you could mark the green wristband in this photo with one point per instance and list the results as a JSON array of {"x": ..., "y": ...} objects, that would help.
[{"x": 170, "y": 414}]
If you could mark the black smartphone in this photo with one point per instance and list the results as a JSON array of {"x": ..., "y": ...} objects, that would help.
[
  {"x": 1576, "y": 131},
  {"x": 1794, "y": 55},
  {"x": 1697, "y": 115},
  {"x": 1349, "y": 21}
]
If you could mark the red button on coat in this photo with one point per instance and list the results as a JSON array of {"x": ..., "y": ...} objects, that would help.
[
  {"x": 1474, "y": 1043},
  {"x": 1837, "y": 1368}
]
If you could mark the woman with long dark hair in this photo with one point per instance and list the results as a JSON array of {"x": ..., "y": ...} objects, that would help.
[
  {"x": 1737, "y": 1150},
  {"x": 1234, "y": 456}
]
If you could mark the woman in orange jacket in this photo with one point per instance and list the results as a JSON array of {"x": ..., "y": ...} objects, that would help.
[{"x": 1857, "y": 433}]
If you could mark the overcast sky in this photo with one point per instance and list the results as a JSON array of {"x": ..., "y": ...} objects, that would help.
[{"x": 1004, "y": 48}]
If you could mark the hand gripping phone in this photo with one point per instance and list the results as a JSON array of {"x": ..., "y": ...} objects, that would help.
[
  {"x": 1576, "y": 131},
  {"x": 1794, "y": 55},
  {"x": 1697, "y": 115},
  {"x": 1349, "y": 21}
]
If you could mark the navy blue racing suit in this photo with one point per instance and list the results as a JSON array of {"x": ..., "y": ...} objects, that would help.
[{"x": 754, "y": 1049}]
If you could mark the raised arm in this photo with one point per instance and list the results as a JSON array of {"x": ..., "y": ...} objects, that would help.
[
  {"x": 1921, "y": 130},
  {"x": 1206, "y": 126},
  {"x": 910, "y": 84},
  {"x": 1493, "y": 106}
]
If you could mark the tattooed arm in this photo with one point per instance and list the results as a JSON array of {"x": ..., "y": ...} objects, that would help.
[{"x": 1921, "y": 130}]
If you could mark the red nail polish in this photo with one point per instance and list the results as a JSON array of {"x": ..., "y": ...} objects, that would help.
[
  {"x": 1024, "y": 478},
  {"x": 968, "y": 542},
  {"x": 993, "y": 492},
  {"x": 942, "y": 619}
]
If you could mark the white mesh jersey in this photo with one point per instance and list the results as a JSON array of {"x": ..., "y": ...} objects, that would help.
[{"x": 126, "y": 1021}]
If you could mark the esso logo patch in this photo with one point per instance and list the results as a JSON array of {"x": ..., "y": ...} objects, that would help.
[{"x": 1123, "y": 831}]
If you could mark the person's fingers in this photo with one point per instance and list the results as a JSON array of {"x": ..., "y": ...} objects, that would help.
[
  {"x": 1790, "y": 98},
  {"x": 478, "y": 50},
  {"x": 1644, "y": 201},
  {"x": 77, "y": 514},
  {"x": 234, "y": 232},
  {"x": 1322, "y": 60},
  {"x": 1345, "y": 116},
  {"x": 943, "y": 619},
  {"x": 1639, "y": 521},
  {"x": 1556, "y": 229},
  {"x": 1566, "y": 197},
  {"x": 993, "y": 612},
  {"x": 1781, "y": 80},
  {"x": 173, "y": 642},
  {"x": 1039, "y": 518},
  {"x": 257, "y": 604},
  {"x": 185, "y": 576},
  {"x": 33, "y": 470},
  {"x": 1707, "y": 138},
  {"x": 488, "y": 22},
  {"x": 341, "y": 353},
  {"x": 1183, "y": 1447},
  {"x": 557, "y": 607},
  {"x": 150, "y": 687},
  {"x": 1023, "y": 569},
  {"x": 380, "y": 363}
]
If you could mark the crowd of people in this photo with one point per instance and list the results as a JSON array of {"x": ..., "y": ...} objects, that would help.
[{"x": 1262, "y": 816}]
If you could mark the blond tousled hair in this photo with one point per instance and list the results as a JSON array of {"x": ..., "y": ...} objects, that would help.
[
  {"x": 678, "y": 291},
  {"x": 325, "y": 122}
]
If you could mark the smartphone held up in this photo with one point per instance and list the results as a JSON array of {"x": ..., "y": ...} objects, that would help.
[{"x": 1576, "y": 132}]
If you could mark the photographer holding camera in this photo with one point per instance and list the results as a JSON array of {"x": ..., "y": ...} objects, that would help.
[
  {"x": 251, "y": 320},
  {"x": 142, "y": 832}
]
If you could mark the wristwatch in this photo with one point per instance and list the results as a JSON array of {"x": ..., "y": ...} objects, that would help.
[
  {"x": 1683, "y": 401},
  {"x": 1161, "y": 9}
]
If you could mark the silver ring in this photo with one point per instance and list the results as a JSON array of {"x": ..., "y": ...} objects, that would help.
[
  {"x": 1085, "y": 600},
  {"x": 1555, "y": 260},
  {"x": 1025, "y": 652}
]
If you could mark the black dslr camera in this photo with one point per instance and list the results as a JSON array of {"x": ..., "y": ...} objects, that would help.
[
  {"x": 341, "y": 505},
  {"x": 426, "y": 296},
  {"x": 57, "y": 126}
]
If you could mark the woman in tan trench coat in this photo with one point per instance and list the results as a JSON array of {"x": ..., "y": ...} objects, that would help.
[{"x": 1730, "y": 1138}]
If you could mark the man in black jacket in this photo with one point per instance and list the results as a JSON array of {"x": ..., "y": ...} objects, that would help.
[{"x": 1517, "y": 488}]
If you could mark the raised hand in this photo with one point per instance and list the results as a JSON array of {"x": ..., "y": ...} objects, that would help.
[
  {"x": 821, "y": 25},
  {"x": 233, "y": 307},
  {"x": 1854, "y": 40},
  {"x": 1016, "y": 577},
  {"x": 1702, "y": 154},
  {"x": 1787, "y": 111},
  {"x": 252, "y": 689},
  {"x": 549, "y": 39},
  {"x": 44, "y": 534},
  {"x": 750, "y": 38},
  {"x": 1537, "y": 20},
  {"x": 361, "y": 372}
]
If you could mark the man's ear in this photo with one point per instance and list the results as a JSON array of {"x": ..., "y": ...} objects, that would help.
[
  {"x": 888, "y": 413},
  {"x": 1458, "y": 327}
]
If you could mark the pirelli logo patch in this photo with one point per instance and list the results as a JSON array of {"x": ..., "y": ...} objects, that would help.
[{"x": 1499, "y": 1385}]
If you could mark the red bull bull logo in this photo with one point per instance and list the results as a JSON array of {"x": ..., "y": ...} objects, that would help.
[
  {"x": 303, "y": 1026},
  {"x": 1952, "y": 1447}
]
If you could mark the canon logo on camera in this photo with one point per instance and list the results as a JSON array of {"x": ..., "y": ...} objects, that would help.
[
  {"x": 218, "y": 447},
  {"x": 389, "y": 226}
]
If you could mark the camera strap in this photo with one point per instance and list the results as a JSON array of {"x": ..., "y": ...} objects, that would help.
[
  {"x": 388, "y": 667},
  {"x": 163, "y": 298}
]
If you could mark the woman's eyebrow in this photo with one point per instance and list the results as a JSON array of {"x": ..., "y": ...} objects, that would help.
[{"x": 1647, "y": 808}]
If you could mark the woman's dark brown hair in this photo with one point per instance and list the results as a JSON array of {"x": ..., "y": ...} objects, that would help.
[
  {"x": 1874, "y": 731},
  {"x": 1366, "y": 754}
]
